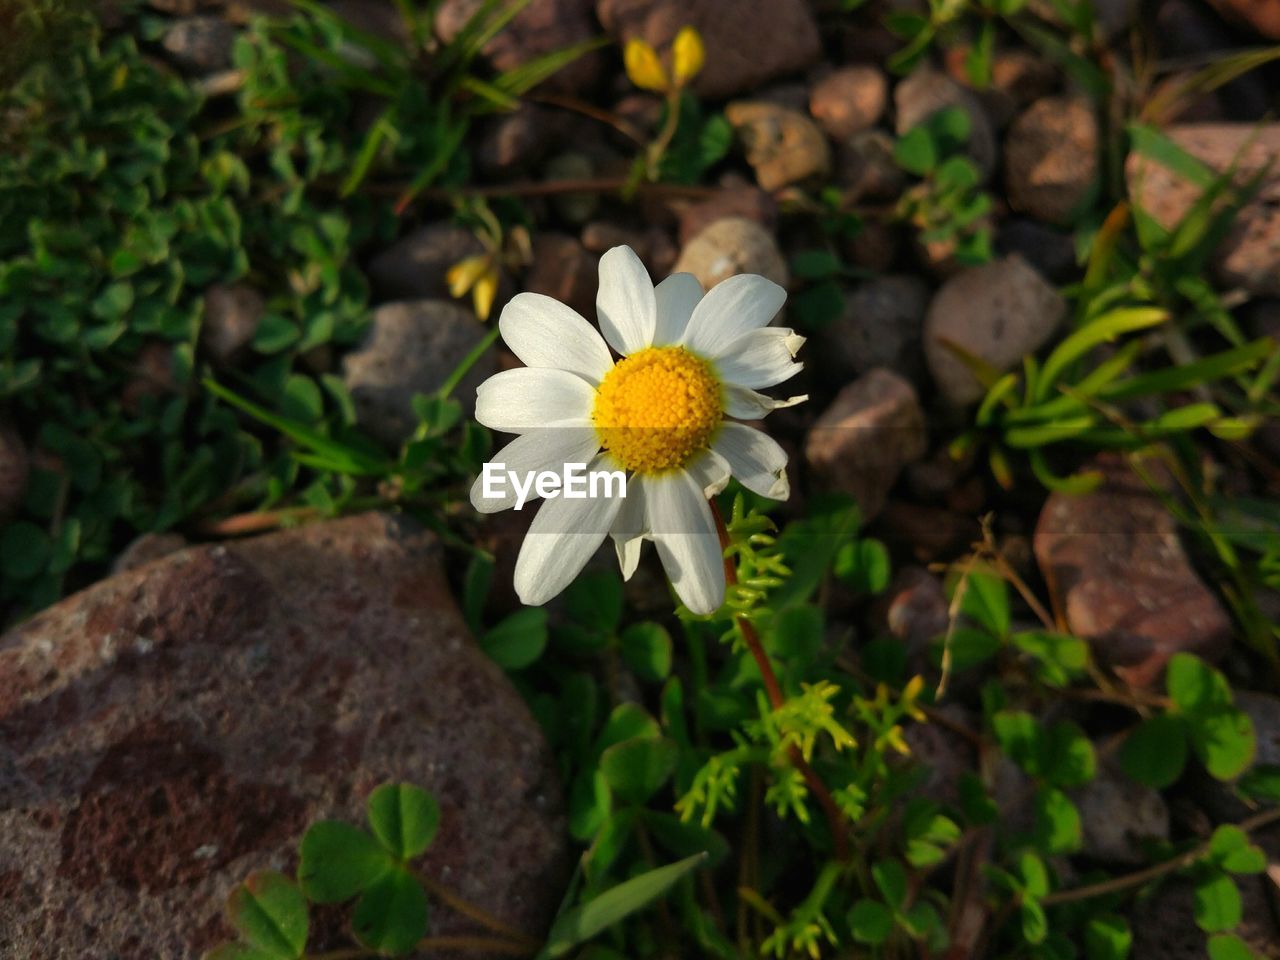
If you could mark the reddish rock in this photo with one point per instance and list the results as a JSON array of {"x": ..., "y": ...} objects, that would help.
[
  {"x": 783, "y": 146},
  {"x": 562, "y": 268},
  {"x": 1051, "y": 158},
  {"x": 880, "y": 326},
  {"x": 1262, "y": 16},
  {"x": 1249, "y": 255},
  {"x": 872, "y": 429},
  {"x": 173, "y": 728},
  {"x": 542, "y": 27},
  {"x": 867, "y": 169},
  {"x": 849, "y": 100},
  {"x": 1114, "y": 560},
  {"x": 744, "y": 49},
  {"x": 146, "y": 547}
]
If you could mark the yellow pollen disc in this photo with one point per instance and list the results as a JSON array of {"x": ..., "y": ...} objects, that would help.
[{"x": 657, "y": 408}]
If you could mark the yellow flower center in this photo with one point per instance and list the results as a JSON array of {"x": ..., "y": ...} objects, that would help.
[{"x": 657, "y": 408}]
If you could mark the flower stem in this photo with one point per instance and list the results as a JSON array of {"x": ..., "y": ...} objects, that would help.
[
  {"x": 835, "y": 819},
  {"x": 514, "y": 936}
]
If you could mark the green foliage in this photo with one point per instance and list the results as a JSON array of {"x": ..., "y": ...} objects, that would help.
[{"x": 947, "y": 207}]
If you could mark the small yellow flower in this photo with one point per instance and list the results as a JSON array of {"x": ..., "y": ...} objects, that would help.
[
  {"x": 643, "y": 66},
  {"x": 478, "y": 274},
  {"x": 688, "y": 55}
]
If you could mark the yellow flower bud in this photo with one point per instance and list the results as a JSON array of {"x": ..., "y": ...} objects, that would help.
[
  {"x": 484, "y": 291},
  {"x": 643, "y": 66},
  {"x": 688, "y": 55},
  {"x": 463, "y": 275}
]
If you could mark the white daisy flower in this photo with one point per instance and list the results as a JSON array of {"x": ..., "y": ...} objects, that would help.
[{"x": 664, "y": 413}]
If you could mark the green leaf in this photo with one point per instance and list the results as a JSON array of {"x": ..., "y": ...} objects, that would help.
[
  {"x": 594, "y": 600},
  {"x": 870, "y": 922},
  {"x": 1230, "y": 848},
  {"x": 635, "y": 769},
  {"x": 1194, "y": 686},
  {"x": 1066, "y": 755},
  {"x": 1227, "y": 946},
  {"x": 815, "y": 264},
  {"x": 1261, "y": 783},
  {"x": 1035, "y": 925},
  {"x": 915, "y": 151},
  {"x": 391, "y": 915},
  {"x": 1060, "y": 657},
  {"x": 796, "y": 633},
  {"x": 581, "y": 923},
  {"x": 1034, "y": 875},
  {"x": 626, "y": 721},
  {"x": 986, "y": 601},
  {"x": 1018, "y": 734},
  {"x": 818, "y": 305},
  {"x": 1217, "y": 903},
  {"x": 1156, "y": 752},
  {"x": 518, "y": 640},
  {"x": 646, "y": 649},
  {"x": 891, "y": 880},
  {"x": 404, "y": 818},
  {"x": 270, "y": 913},
  {"x": 864, "y": 565},
  {"x": 1107, "y": 937},
  {"x": 1057, "y": 822},
  {"x": 338, "y": 861},
  {"x": 24, "y": 550},
  {"x": 1224, "y": 741}
]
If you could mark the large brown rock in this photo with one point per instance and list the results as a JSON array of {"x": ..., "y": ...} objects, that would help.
[
  {"x": 173, "y": 728},
  {"x": 1114, "y": 559},
  {"x": 744, "y": 47},
  {"x": 998, "y": 312},
  {"x": 729, "y": 247},
  {"x": 1249, "y": 255},
  {"x": 783, "y": 146},
  {"x": 1051, "y": 158},
  {"x": 872, "y": 429}
]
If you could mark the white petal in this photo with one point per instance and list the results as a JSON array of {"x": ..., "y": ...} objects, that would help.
[
  {"x": 756, "y": 460},
  {"x": 710, "y": 471},
  {"x": 762, "y": 358},
  {"x": 546, "y": 449},
  {"x": 629, "y": 528},
  {"x": 543, "y": 332},
  {"x": 746, "y": 404},
  {"x": 562, "y": 538},
  {"x": 515, "y": 400},
  {"x": 676, "y": 297},
  {"x": 730, "y": 309},
  {"x": 681, "y": 524},
  {"x": 625, "y": 301}
]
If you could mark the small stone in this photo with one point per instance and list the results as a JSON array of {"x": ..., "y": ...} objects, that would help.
[
  {"x": 1018, "y": 78},
  {"x": 875, "y": 247},
  {"x": 929, "y": 533},
  {"x": 200, "y": 44},
  {"x": 744, "y": 200},
  {"x": 1121, "y": 818},
  {"x": 880, "y": 326},
  {"x": 564, "y": 270},
  {"x": 172, "y": 729},
  {"x": 1249, "y": 255},
  {"x": 943, "y": 752},
  {"x": 745, "y": 49},
  {"x": 1051, "y": 158},
  {"x": 518, "y": 140},
  {"x": 849, "y": 100},
  {"x": 231, "y": 318},
  {"x": 1050, "y": 250},
  {"x": 731, "y": 246},
  {"x": 926, "y": 91},
  {"x": 860, "y": 444},
  {"x": 412, "y": 347},
  {"x": 1000, "y": 312},
  {"x": 146, "y": 547},
  {"x": 415, "y": 266},
  {"x": 783, "y": 146},
  {"x": 867, "y": 168},
  {"x": 917, "y": 613},
  {"x": 1114, "y": 559},
  {"x": 542, "y": 27},
  {"x": 15, "y": 468}
]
